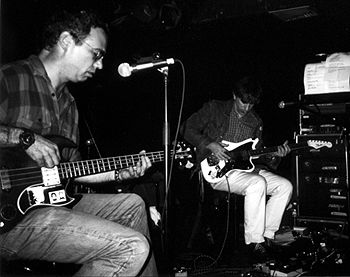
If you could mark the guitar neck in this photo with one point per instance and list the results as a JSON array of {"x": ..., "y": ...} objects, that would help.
[
  {"x": 88, "y": 167},
  {"x": 269, "y": 150}
]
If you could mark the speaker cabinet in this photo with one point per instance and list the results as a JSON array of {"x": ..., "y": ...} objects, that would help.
[{"x": 322, "y": 180}]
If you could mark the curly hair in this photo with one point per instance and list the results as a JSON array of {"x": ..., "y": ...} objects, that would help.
[{"x": 78, "y": 24}]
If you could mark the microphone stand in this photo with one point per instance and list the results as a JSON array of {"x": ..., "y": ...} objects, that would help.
[{"x": 166, "y": 141}]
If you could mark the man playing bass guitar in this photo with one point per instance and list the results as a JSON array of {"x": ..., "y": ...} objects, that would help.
[{"x": 107, "y": 234}]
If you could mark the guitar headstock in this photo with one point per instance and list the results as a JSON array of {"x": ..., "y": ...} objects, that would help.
[
  {"x": 184, "y": 154},
  {"x": 316, "y": 144}
]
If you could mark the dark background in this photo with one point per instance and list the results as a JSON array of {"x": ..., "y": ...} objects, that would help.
[{"x": 217, "y": 41}]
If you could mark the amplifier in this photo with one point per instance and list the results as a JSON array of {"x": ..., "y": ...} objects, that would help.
[
  {"x": 324, "y": 118},
  {"x": 322, "y": 179}
]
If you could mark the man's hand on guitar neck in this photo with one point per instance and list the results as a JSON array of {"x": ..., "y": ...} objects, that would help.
[
  {"x": 119, "y": 175},
  {"x": 44, "y": 152},
  {"x": 218, "y": 149},
  {"x": 283, "y": 150},
  {"x": 136, "y": 171}
]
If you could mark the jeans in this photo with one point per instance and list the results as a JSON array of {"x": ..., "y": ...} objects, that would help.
[
  {"x": 261, "y": 219},
  {"x": 106, "y": 233}
]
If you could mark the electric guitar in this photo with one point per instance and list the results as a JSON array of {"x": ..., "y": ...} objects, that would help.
[
  {"x": 242, "y": 155},
  {"x": 25, "y": 186}
]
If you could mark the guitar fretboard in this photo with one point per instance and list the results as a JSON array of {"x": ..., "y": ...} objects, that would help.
[
  {"x": 88, "y": 167},
  {"x": 273, "y": 149}
]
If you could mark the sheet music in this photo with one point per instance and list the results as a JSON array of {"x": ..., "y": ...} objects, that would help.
[
  {"x": 330, "y": 76},
  {"x": 314, "y": 78}
]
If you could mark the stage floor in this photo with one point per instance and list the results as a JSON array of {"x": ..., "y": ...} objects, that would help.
[{"x": 300, "y": 252}]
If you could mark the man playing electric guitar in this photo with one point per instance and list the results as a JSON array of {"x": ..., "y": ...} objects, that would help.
[
  {"x": 235, "y": 121},
  {"x": 107, "y": 234}
]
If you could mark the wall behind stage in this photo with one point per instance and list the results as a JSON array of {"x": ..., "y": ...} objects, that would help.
[{"x": 126, "y": 115}]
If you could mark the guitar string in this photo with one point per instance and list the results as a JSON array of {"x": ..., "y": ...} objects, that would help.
[
  {"x": 123, "y": 161},
  {"x": 79, "y": 168},
  {"x": 21, "y": 176}
]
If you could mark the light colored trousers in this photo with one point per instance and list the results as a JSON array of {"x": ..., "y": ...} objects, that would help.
[
  {"x": 261, "y": 219},
  {"x": 106, "y": 233}
]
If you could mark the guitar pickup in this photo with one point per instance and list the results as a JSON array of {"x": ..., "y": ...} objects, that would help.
[
  {"x": 212, "y": 160},
  {"x": 50, "y": 176}
]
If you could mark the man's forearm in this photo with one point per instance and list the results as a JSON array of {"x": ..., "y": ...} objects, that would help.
[{"x": 97, "y": 178}]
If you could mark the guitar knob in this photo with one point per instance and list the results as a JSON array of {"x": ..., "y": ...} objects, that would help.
[{"x": 8, "y": 212}]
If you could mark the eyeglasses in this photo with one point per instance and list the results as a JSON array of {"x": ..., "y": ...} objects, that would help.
[{"x": 97, "y": 52}]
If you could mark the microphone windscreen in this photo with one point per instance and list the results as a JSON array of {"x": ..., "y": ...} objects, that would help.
[{"x": 124, "y": 70}]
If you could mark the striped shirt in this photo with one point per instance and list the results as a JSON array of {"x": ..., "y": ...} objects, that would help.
[{"x": 28, "y": 100}]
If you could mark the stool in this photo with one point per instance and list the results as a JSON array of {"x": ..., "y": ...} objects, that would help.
[{"x": 217, "y": 213}]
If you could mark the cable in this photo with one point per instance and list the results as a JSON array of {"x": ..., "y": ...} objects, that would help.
[
  {"x": 92, "y": 138},
  {"x": 176, "y": 136},
  {"x": 163, "y": 225},
  {"x": 208, "y": 267}
]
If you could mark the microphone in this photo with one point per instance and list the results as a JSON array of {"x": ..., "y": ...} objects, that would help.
[
  {"x": 283, "y": 104},
  {"x": 125, "y": 70}
]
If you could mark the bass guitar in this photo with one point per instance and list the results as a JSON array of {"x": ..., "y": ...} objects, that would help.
[
  {"x": 25, "y": 186},
  {"x": 242, "y": 155}
]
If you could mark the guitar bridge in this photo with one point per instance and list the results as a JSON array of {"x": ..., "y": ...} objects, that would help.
[{"x": 212, "y": 160}]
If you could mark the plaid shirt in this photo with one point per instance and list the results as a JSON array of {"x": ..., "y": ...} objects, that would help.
[
  {"x": 28, "y": 100},
  {"x": 243, "y": 128},
  {"x": 212, "y": 123}
]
